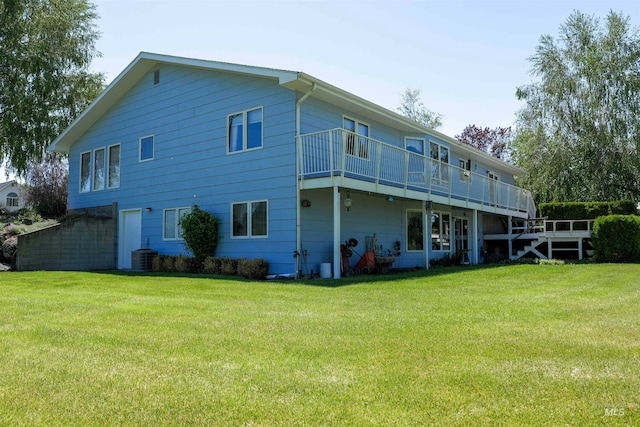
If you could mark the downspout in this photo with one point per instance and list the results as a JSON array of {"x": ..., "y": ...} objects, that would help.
[{"x": 298, "y": 248}]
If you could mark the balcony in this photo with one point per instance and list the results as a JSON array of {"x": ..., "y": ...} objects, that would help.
[{"x": 337, "y": 155}]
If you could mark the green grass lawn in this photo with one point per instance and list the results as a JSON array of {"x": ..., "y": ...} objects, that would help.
[{"x": 512, "y": 345}]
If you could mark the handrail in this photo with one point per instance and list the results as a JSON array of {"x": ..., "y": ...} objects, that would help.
[{"x": 341, "y": 152}]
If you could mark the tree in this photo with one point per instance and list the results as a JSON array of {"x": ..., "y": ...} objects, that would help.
[
  {"x": 578, "y": 134},
  {"x": 200, "y": 233},
  {"x": 46, "y": 48},
  {"x": 492, "y": 141},
  {"x": 412, "y": 108},
  {"x": 46, "y": 189}
]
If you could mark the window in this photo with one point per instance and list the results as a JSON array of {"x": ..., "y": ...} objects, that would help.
[
  {"x": 440, "y": 231},
  {"x": 146, "y": 148},
  {"x": 85, "y": 172},
  {"x": 171, "y": 227},
  {"x": 244, "y": 130},
  {"x": 356, "y": 142},
  {"x": 98, "y": 169},
  {"x": 113, "y": 171},
  {"x": 12, "y": 200},
  {"x": 249, "y": 219},
  {"x": 465, "y": 169},
  {"x": 414, "y": 230},
  {"x": 415, "y": 145},
  {"x": 439, "y": 168}
]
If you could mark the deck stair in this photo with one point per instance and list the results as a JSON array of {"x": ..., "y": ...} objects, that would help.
[{"x": 544, "y": 238}]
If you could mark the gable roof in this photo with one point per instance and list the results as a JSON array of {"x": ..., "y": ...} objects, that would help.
[
  {"x": 7, "y": 184},
  {"x": 293, "y": 80}
]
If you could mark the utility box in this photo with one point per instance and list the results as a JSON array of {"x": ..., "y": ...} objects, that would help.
[{"x": 142, "y": 259}]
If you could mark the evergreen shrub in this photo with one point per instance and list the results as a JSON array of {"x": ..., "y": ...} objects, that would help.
[{"x": 616, "y": 238}]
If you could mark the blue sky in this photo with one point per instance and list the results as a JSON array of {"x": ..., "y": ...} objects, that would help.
[{"x": 467, "y": 57}]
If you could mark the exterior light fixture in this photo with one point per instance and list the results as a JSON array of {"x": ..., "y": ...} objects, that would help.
[
  {"x": 348, "y": 201},
  {"x": 147, "y": 209},
  {"x": 389, "y": 199}
]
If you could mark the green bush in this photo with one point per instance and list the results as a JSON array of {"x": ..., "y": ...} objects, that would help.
[
  {"x": 616, "y": 238},
  {"x": 156, "y": 264},
  {"x": 586, "y": 210},
  {"x": 185, "y": 264},
  {"x": 212, "y": 265},
  {"x": 200, "y": 233},
  {"x": 228, "y": 266},
  {"x": 168, "y": 264},
  {"x": 253, "y": 268}
]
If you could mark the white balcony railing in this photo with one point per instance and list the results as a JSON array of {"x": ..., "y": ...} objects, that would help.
[{"x": 338, "y": 152}]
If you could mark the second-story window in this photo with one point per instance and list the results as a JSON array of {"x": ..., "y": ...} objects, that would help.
[
  {"x": 98, "y": 169},
  {"x": 357, "y": 139},
  {"x": 244, "y": 130},
  {"x": 439, "y": 169},
  {"x": 146, "y": 148}
]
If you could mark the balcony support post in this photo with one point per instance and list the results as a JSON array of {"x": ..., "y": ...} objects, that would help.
[{"x": 337, "y": 257}]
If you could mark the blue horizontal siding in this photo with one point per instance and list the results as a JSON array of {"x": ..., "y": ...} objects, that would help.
[{"x": 187, "y": 112}]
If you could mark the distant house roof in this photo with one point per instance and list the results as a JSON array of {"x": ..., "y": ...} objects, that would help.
[
  {"x": 7, "y": 184},
  {"x": 293, "y": 80}
]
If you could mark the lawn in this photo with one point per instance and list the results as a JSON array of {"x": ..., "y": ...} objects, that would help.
[{"x": 510, "y": 345}]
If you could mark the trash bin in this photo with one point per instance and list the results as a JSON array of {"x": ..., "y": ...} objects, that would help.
[{"x": 325, "y": 270}]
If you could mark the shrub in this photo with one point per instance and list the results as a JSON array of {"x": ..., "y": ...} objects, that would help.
[
  {"x": 47, "y": 183},
  {"x": 168, "y": 263},
  {"x": 156, "y": 264},
  {"x": 616, "y": 238},
  {"x": 253, "y": 268},
  {"x": 185, "y": 264},
  {"x": 200, "y": 233},
  {"x": 228, "y": 266},
  {"x": 586, "y": 210},
  {"x": 212, "y": 265}
]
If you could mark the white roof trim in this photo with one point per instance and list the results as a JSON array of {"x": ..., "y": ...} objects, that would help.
[{"x": 145, "y": 61}]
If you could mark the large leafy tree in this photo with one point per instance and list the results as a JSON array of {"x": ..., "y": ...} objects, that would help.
[
  {"x": 412, "y": 107},
  {"x": 492, "y": 141},
  {"x": 46, "y": 47},
  {"x": 578, "y": 134}
]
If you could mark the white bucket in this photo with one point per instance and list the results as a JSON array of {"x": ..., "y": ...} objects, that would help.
[{"x": 325, "y": 270}]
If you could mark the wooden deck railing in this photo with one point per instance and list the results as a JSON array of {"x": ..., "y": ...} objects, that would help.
[{"x": 340, "y": 152}]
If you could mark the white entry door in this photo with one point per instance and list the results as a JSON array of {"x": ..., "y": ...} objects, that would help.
[{"x": 130, "y": 236}]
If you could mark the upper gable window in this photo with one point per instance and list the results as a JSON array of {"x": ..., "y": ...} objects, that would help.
[
  {"x": 244, "y": 130},
  {"x": 146, "y": 148},
  {"x": 12, "y": 199}
]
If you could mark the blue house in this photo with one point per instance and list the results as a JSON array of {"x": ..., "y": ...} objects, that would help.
[{"x": 292, "y": 166}]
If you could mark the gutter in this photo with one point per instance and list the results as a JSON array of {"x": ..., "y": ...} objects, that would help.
[{"x": 298, "y": 248}]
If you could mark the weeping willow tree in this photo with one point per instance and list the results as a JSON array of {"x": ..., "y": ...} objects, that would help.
[
  {"x": 578, "y": 134},
  {"x": 46, "y": 48}
]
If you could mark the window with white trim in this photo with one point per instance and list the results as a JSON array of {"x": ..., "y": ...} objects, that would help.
[
  {"x": 244, "y": 130},
  {"x": 171, "y": 229},
  {"x": 356, "y": 140},
  {"x": 85, "y": 172},
  {"x": 439, "y": 168},
  {"x": 440, "y": 231},
  {"x": 415, "y": 233},
  {"x": 113, "y": 170},
  {"x": 465, "y": 169},
  {"x": 98, "y": 169},
  {"x": 147, "y": 147},
  {"x": 249, "y": 219},
  {"x": 12, "y": 200}
]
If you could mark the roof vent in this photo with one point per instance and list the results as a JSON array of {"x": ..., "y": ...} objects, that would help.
[{"x": 156, "y": 77}]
